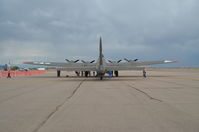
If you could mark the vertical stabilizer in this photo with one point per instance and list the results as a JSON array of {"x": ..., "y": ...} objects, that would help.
[{"x": 100, "y": 51}]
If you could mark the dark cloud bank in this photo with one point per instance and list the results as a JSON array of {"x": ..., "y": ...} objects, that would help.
[{"x": 57, "y": 29}]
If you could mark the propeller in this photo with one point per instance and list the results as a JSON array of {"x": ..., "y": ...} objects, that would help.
[
  {"x": 114, "y": 61},
  {"x": 110, "y": 61},
  {"x": 92, "y": 61},
  {"x": 76, "y": 61},
  {"x": 88, "y": 61},
  {"x": 119, "y": 61},
  {"x": 72, "y": 61},
  {"x": 128, "y": 60}
]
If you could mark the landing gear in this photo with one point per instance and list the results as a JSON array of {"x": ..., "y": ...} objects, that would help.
[
  {"x": 116, "y": 73},
  {"x": 100, "y": 74},
  {"x": 77, "y": 73},
  {"x": 86, "y": 73},
  {"x": 58, "y": 73},
  {"x": 82, "y": 73}
]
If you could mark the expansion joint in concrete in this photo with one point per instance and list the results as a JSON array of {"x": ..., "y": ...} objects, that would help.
[
  {"x": 57, "y": 108},
  {"x": 143, "y": 92}
]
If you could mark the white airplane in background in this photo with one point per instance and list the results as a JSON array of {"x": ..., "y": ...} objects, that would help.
[{"x": 101, "y": 66}]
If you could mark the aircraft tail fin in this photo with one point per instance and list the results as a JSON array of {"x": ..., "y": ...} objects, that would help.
[{"x": 100, "y": 51}]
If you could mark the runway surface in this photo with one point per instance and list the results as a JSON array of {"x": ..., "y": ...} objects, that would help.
[{"x": 166, "y": 101}]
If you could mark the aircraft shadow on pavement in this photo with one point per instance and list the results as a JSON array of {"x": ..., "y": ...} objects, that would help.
[{"x": 106, "y": 78}]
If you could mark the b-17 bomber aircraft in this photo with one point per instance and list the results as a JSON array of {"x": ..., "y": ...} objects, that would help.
[{"x": 101, "y": 66}]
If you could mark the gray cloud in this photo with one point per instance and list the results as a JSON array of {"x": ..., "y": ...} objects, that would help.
[{"x": 55, "y": 30}]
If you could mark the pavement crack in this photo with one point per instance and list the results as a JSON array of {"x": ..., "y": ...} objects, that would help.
[
  {"x": 57, "y": 108},
  {"x": 74, "y": 91},
  {"x": 149, "y": 96}
]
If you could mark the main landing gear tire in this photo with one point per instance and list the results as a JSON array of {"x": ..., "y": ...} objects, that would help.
[
  {"x": 116, "y": 73},
  {"x": 58, "y": 73},
  {"x": 86, "y": 73}
]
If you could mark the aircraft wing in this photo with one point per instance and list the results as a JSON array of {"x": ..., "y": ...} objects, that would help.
[
  {"x": 134, "y": 65},
  {"x": 66, "y": 66}
]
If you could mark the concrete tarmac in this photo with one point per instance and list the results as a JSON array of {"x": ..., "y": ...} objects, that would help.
[{"x": 165, "y": 101}]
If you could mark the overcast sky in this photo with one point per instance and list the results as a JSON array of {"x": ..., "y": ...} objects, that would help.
[{"x": 52, "y": 30}]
